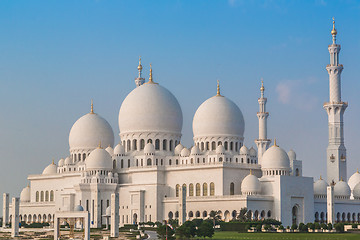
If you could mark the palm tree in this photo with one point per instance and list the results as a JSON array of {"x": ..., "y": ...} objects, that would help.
[
  {"x": 243, "y": 215},
  {"x": 215, "y": 216}
]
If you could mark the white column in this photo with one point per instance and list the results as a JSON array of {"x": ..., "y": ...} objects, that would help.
[
  {"x": 114, "y": 232},
  {"x": 330, "y": 204},
  {"x": 5, "y": 209},
  {"x": 182, "y": 205},
  {"x": 87, "y": 226},
  {"x": 15, "y": 217}
]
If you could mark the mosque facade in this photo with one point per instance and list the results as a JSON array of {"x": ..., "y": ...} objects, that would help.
[{"x": 158, "y": 178}]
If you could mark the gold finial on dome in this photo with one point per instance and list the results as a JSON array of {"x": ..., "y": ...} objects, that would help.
[
  {"x": 99, "y": 145},
  {"x": 53, "y": 161},
  {"x": 333, "y": 31},
  {"x": 140, "y": 66},
  {"x": 250, "y": 171},
  {"x": 341, "y": 179},
  {"x": 321, "y": 177},
  {"x": 150, "y": 78},
  {"x": 357, "y": 170},
  {"x": 262, "y": 85},
  {"x": 218, "y": 88},
  {"x": 275, "y": 143},
  {"x": 92, "y": 107}
]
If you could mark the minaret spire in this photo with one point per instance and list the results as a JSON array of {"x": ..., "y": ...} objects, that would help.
[
  {"x": 262, "y": 142},
  {"x": 139, "y": 80},
  {"x": 335, "y": 108},
  {"x": 218, "y": 89}
]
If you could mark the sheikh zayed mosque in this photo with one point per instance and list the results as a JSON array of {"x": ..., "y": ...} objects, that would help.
[{"x": 157, "y": 178}]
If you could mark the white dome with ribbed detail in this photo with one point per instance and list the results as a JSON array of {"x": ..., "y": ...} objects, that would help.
[
  {"x": 356, "y": 191},
  {"x": 61, "y": 162},
  {"x": 25, "y": 194},
  {"x": 119, "y": 149},
  {"x": 354, "y": 180},
  {"x": 250, "y": 185},
  {"x": 195, "y": 150},
  {"x": 252, "y": 152},
  {"x": 218, "y": 116},
  {"x": 50, "y": 169},
  {"x": 220, "y": 149},
  {"x": 244, "y": 150},
  {"x": 99, "y": 159},
  {"x": 67, "y": 161},
  {"x": 88, "y": 131},
  {"x": 110, "y": 150},
  {"x": 185, "y": 152},
  {"x": 275, "y": 161},
  {"x": 342, "y": 190},
  {"x": 178, "y": 149},
  {"x": 320, "y": 187},
  {"x": 149, "y": 149},
  {"x": 150, "y": 108}
]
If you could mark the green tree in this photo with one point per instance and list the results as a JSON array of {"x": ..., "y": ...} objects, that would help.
[
  {"x": 197, "y": 221},
  {"x": 294, "y": 226},
  {"x": 244, "y": 215},
  {"x": 329, "y": 226},
  {"x": 317, "y": 225},
  {"x": 215, "y": 216},
  {"x": 339, "y": 227},
  {"x": 311, "y": 226},
  {"x": 186, "y": 231},
  {"x": 205, "y": 230},
  {"x": 161, "y": 231},
  {"x": 323, "y": 226},
  {"x": 258, "y": 228}
]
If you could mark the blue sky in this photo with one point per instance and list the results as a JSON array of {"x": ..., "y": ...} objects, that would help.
[{"x": 57, "y": 55}]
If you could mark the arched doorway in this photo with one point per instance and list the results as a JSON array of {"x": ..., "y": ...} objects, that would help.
[
  {"x": 135, "y": 218},
  {"x": 294, "y": 215}
]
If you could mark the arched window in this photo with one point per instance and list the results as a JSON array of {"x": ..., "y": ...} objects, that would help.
[
  {"x": 176, "y": 214},
  {"x": 197, "y": 214},
  {"x": 128, "y": 163},
  {"x": 128, "y": 145},
  {"x": 170, "y": 215},
  {"x": 171, "y": 145},
  {"x": 42, "y": 196},
  {"x": 142, "y": 144},
  {"x": 213, "y": 146},
  {"x": 212, "y": 189},
  {"x": 205, "y": 214},
  {"x": 148, "y": 162},
  {"x": 232, "y": 188},
  {"x": 191, "y": 189},
  {"x": 177, "y": 161},
  {"x": 236, "y": 146},
  {"x": 297, "y": 172},
  {"x": 134, "y": 144},
  {"x": 191, "y": 214},
  {"x": 84, "y": 156},
  {"x": 164, "y": 144},
  {"x": 198, "y": 189},
  {"x": 226, "y": 146},
  {"x": 79, "y": 156},
  {"x": 161, "y": 162},
  {"x": 46, "y": 196},
  {"x": 122, "y": 163},
  {"x": 51, "y": 196},
  {"x": 269, "y": 214},
  {"x": 205, "y": 189},
  {"x": 37, "y": 196},
  {"x": 156, "y": 162},
  {"x": 157, "y": 144},
  {"x": 149, "y": 141},
  {"x": 169, "y": 161},
  {"x": 114, "y": 164},
  {"x": 177, "y": 190},
  {"x": 231, "y": 146},
  {"x": 207, "y": 146},
  {"x": 220, "y": 159}
]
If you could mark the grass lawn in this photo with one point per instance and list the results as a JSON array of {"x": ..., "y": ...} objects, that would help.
[{"x": 285, "y": 236}]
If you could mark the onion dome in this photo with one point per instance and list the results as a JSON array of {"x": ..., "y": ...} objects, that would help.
[
  {"x": 110, "y": 150},
  {"x": 78, "y": 208},
  {"x": 220, "y": 149},
  {"x": 61, "y": 162},
  {"x": 50, "y": 169},
  {"x": 356, "y": 191},
  {"x": 68, "y": 161},
  {"x": 320, "y": 187},
  {"x": 119, "y": 149},
  {"x": 252, "y": 152},
  {"x": 25, "y": 194},
  {"x": 99, "y": 159},
  {"x": 342, "y": 190},
  {"x": 108, "y": 211},
  {"x": 292, "y": 155},
  {"x": 150, "y": 108},
  {"x": 110, "y": 175},
  {"x": 195, "y": 150},
  {"x": 250, "y": 185},
  {"x": 149, "y": 149},
  {"x": 218, "y": 116},
  {"x": 275, "y": 158},
  {"x": 88, "y": 130},
  {"x": 354, "y": 179},
  {"x": 244, "y": 150},
  {"x": 178, "y": 149},
  {"x": 185, "y": 152}
]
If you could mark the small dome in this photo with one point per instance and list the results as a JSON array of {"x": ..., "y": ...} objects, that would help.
[
  {"x": 244, "y": 150},
  {"x": 320, "y": 187},
  {"x": 78, "y": 208},
  {"x": 108, "y": 211},
  {"x": 119, "y": 149},
  {"x": 110, "y": 175},
  {"x": 292, "y": 155},
  {"x": 252, "y": 152},
  {"x": 149, "y": 149},
  {"x": 220, "y": 149},
  {"x": 50, "y": 169},
  {"x": 195, "y": 150},
  {"x": 354, "y": 180},
  {"x": 110, "y": 150},
  {"x": 68, "y": 161},
  {"x": 342, "y": 189},
  {"x": 178, "y": 149},
  {"x": 88, "y": 131},
  {"x": 356, "y": 191},
  {"x": 99, "y": 159},
  {"x": 275, "y": 158},
  {"x": 25, "y": 194},
  {"x": 250, "y": 185},
  {"x": 218, "y": 116},
  {"x": 61, "y": 162},
  {"x": 185, "y": 152}
]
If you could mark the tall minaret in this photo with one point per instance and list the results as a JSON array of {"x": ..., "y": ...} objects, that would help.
[
  {"x": 139, "y": 80},
  {"x": 335, "y": 108},
  {"x": 262, "y": 142}
]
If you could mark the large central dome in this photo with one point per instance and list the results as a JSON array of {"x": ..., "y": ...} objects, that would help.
[{"x": 150, "y": 108}]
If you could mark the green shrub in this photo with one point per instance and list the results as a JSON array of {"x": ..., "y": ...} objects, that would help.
[
  {"x": 339, "y": 227},
  {"x": 329, "y": 226},
  {"x": 317, "y": 225},
  {"x": 281, "y": 227},
  {"x": 354, "y": 225},
  {"x": 258, "y": 227},
  {"x": 294, "y": 226},
  {"x": 304, "y": 228},
  {"x": 311, "y": 226},
  {"x": 323, "y": 226}
]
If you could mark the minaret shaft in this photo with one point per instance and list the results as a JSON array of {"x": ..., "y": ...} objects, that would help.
[{"x": 335, "y": 108}]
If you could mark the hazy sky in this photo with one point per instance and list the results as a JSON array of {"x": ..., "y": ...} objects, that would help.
[{"x": 57, "y": 55}]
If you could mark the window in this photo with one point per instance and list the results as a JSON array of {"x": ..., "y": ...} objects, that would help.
[
  {"x": 164, "y": 144},
  {"x": 231, "y": 146},
  {"x": 191, "y": 189},
  {"x": 128, "y": 145},
  {"x": 84, "y": 156},
  {"x": 177, "y": 190},
  {"x": 232, "y": 188},
  {"x": 169, "y": 161},
  {"x": 148, "y": 162},
  {"x": 51, "y": 195},
  {"x": 122, "y": 163},
  {"x": 142, "y": 144},
  {"x": 79, "y": 155},
  {"x": 213, "y": 146},
  {"x": 198, "y": 189},
  {"x": 226, "y": 146},
  {"x": 212, "y": 189},
  {"x": 42, "y": 196},
  {"x": 205, "y": 189},
  {"x": 128, "y": 163},
  {"x": 297, "y": 172},
  {"x": 149, "y": 141},
  {"x": 37, "y": 196},
  {"x": 46, "y": 196},
  {"x": 134, "y": 144},
  {"x": 171, "y": 145},
  {"x": 157, "y": 144}
]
